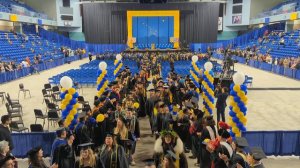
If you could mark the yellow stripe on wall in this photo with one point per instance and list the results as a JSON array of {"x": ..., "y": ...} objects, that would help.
[{"x": 174, "y": 13}]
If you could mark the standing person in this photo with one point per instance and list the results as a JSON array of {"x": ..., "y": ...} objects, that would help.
[
  {"x": 60, "y": 140},
  {"x": 90, "y": 56},
  {"x": 111, "y": 154},
  {"x": 124, "y": 137},
  {"x": 255, "y": 157},
  {"x": 134, "y": 127},
  {"x": 169, "y": 143},
  {"x": 164, "y": 118},
  {"x": 35, "y": 159},
  {"x": 5, "y": 132},
  {"x": 7, "y": 162},
  {"x": 81, "y": 133},
  {"x": 66, "y": 153},
  {"x": 209, "y": 132},
  {"x": 87, "y": 158},
  {"x": 221, "y": 104}
]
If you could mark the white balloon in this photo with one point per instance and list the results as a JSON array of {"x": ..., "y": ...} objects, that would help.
[
  {"x": 239, "y": 78},
  {"x": 66, "y": 82},
  {"x": 195, "y": 58},
  {"x": 208, "y": 66},
  {"x": 119, "y": 57},
  {"x": 102, "y": 65}
]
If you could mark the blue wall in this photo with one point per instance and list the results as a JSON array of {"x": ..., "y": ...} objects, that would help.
[{"x": 153, "y": 30}]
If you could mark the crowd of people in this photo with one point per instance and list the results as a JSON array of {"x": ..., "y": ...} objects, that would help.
[{"x": 253, "y": 52}]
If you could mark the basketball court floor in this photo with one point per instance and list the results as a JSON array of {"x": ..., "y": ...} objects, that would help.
[{"x": 273, "y": 105}]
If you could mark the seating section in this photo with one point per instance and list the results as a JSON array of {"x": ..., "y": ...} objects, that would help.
[
  {"x": 16, "y": 7},
  {"x": 15, "y": 48},
  {"x": 272, "y": 45},
  {"x": 87, "y": 74},
  {"x": 281, "y": 8}
]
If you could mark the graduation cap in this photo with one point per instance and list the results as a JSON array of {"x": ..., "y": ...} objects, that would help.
[
  {"x": 166, "y": 85},
  {"x": 5, "y": 159},
  {"x": 32, "y": 152},
  {"x": 149, "y": 162},
  {"x": 171, "y": 155},
  {"x": 241, "y": 142},
  {"x": 81, "y": 115},
  {"x": 85, "y": 146},
  {"x": 257, "y": 153},
  {"x": 151, "y": 90},
  {"x": 112, "y": 83}
]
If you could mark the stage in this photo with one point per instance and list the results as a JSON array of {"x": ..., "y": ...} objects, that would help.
[{"x": 156, "y": 50}]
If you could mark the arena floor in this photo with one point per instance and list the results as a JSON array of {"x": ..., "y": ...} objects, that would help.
[{"x": 273, "y": 105}]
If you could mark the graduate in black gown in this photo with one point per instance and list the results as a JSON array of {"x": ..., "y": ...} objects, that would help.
[
  {"x": 168, "y": 143},
  {"x": 66, "y": 153},
  {"x": 256, "y": 155},
  {"x": 100, "y": 127},
  {"x": 81, "y": 133},
  {"x": 87, "y": 158},
  {"x": 112, "y": 155}
]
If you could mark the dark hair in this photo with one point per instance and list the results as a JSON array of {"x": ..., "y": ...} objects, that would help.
[
  {"x": 225, "y": 89},
  {"x": 210, "y": 121},
  {"x": 5, "y": 118}
]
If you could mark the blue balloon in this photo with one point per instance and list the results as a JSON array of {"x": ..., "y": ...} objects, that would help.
[
  {"x": 237, "y": 100},
  {"x": 230, "y": 108},
  {"x": 231, "y": 86},
  {"x": 244, "y": 129},
  {"x": 99, "y": 72},
  {"x": 235, "y": 119},
  {"x": 98, "y": 87},
  {"x": 75, "y": 95},
  {"x": 62, "y": 95},
  {"x": 64, "y": 113},
  {"x": 232, "y": 134},
  {"x": 244, "y": 88},
  {"x": 73, "y": 101},
  {"x": 69, "y": 107},
  {"x": 240, "y": 126},
  {"x": 232, "y": 114}
]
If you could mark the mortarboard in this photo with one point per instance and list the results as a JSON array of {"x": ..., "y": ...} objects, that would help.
[
  {"x": 149, "y": 162},
  {"x": 257, "y": 153},
  {"x": 151, "y": 90},
  {"x": 189, "y": 105},
  {"x": 85, "y": 146},
  {"x": 172, "y": 154},
  {"x": 241, "y": 142},
  {"x": 81, "y": 115}
]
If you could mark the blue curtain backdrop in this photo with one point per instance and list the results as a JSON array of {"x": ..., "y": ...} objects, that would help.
[
  {"x": 273, "y": 142},
  {"x": 153, "y": 30}
]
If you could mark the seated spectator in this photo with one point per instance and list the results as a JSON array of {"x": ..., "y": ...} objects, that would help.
[{"x": 281, "y": 42}]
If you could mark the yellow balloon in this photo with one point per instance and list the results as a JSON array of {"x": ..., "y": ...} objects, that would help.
[
  {"x": 235, "y": 130},
  {"x": 73, "y": 111},
  {"x": 236, "y": 87},
  {"x": 63, "y": 89},
  {"x": 64, "y": 102},
  {"x": 72, "y": 91},
  {"x": 68, "y": 97},
  {"x": 206, "y": 73},
  {"x": 240, "y": 116},
  {"x": 100, "y": 118},
  {"x": 62, "y": 106},
  {"x": 136, "y": 105}
]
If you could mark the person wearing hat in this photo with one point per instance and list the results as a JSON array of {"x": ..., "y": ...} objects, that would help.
[
  {"x": 124, "y": 137},
  {"x": 209, "y": 132},
  {"x": 134, "y": 127},
  {"x": 181, "y": 125},
  {"x": 81, "y": 132},
  {"x": 61, "y": 134},
  {"x": 169, "y": 141},
  {"x": 112, "y": 155},
  {"x": 164, "y": 118},
  {"x": 7, "y": 162},
  {"x": 255, "y": 157},
  {"x": 149, "y": 107},
  {"x": 66, "y": 153},
  {"x": 35, "y": 159},
  {"x": 87, "y": 158},
  {"x": 100, "y": 127},
  {"x": 239, "y": 155}
]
